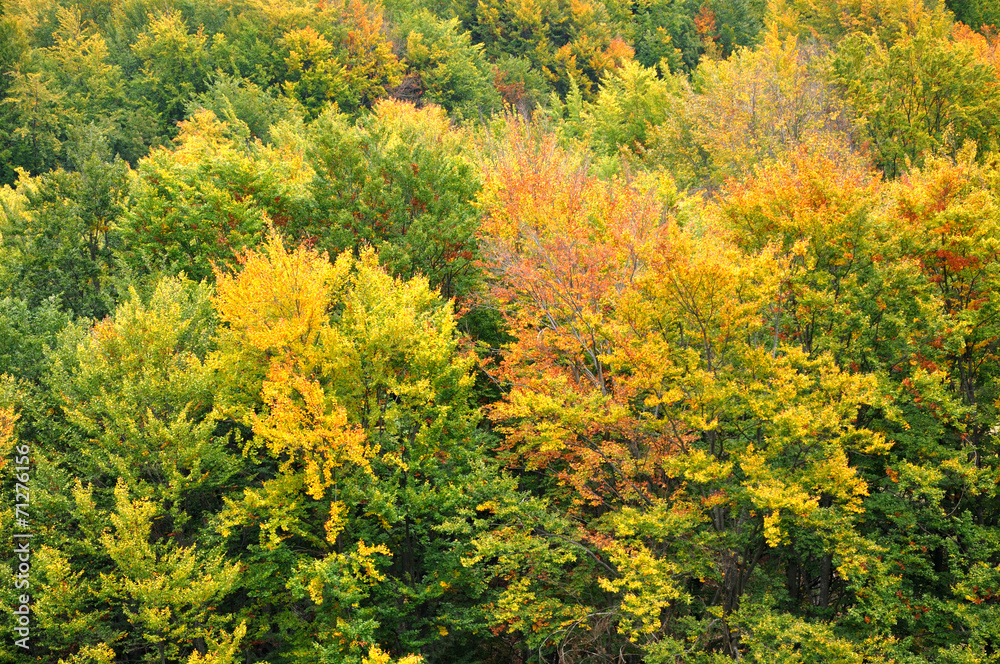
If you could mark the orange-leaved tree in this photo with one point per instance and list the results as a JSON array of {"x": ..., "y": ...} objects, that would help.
[{"x": 645, "y": 388}]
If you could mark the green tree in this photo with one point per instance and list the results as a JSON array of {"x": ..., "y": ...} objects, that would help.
[
  {"x": 248, "y": 110},
  {"x": 37, "y": 137},
  {"x": 13, "y": 47},
  {"x": 174, "y": 64},
  {"x": 662, "y": 32},
  {"x": 128, "y": 462},
  {"x": 924, "y": 92},
  {"x": 316, "y": 53},
  {"x": 975, "y": 13},
  {"x": 936, "y": 475},
  {"x": 401, "y": 180},
  {"x": 208, "y": 198},
  {"x": 165, "y": 590},
  {"x": 95, "y": 98},
  {"x": 58, "y": 234},
  {"x": 633, "y": 102},
  {"x": 448, "y": 68},
  {"x": 562, "y": 40},
  {"x": 888, "y": 281},
  {"x": 26, "y": 333}
]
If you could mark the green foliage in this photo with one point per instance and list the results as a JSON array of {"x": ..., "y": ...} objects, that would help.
[
  {"x": 632, "y": 102},
  {"x": 78, "y": 60},
  {"x": 563, "y": 40},
  {"x": 139, "y": 467},
  {"x": 398, "y": 179},
  {"x": 362, "y": 399},
  {"x": 663, "y": 32},
  {"x": 921, "y": 93},
  {"x": 401, "y": 180},
  {"x": 448, "y": 68},
  {"x": 201, "y": 203},
  {"x": 502, "y": 330},
  {"x": 739, "y": 22},
  {"x": 138, "y": 388},
  {"x": 13, "y": 47},
  {"x": 248, "y": 110},
  {"x": 975, "y": 13},
  {"x": 830, "y": 21},
  {"x": 174, "y": 63},
  {"x": 35, "y": 139},
  {"x": 166, "y": 591},
  {"x": 58, "y": 234},
  {"x": 26, "y": 333},
  {"x": 314, "y": 52},
  {"x": 521, "y": 87}
]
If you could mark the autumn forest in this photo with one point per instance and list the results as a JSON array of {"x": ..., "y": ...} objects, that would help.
[{"x": 500, "y": 331}]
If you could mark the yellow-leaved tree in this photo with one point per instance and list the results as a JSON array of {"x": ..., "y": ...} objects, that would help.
[
  {"x": 685, "y": 444},
  {"x": 354, "y": 395}
]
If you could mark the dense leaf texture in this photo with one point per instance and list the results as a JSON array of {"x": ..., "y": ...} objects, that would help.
[{"x": 501, "y": 331}]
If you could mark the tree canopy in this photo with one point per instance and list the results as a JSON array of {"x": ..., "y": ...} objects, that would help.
[{"x": 500, "y": 331}]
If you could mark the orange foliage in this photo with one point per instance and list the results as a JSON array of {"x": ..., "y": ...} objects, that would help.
[
  {"x": 621, "y": 319},
  {"x": 568, "y": 250},
  {"x": 985, "y": 45},
  {"x": 704, "y": 24}
]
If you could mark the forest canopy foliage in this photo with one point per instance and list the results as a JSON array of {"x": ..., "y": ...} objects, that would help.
[{"x": 501, "y": 331}]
